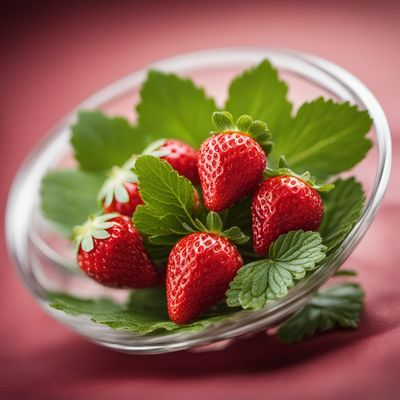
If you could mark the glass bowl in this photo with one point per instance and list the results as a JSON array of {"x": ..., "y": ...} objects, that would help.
[{"x": 44, "y": 259}]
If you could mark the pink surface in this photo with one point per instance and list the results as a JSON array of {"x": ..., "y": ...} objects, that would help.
[{"x": 54, "y": 57}]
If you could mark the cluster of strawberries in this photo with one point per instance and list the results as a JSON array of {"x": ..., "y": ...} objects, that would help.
[{"x": 229, "y": 166}]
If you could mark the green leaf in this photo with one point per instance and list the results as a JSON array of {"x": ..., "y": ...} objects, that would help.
[
  {"x": 290, "y": 257},
  {"x": 174, "y": 107},
  {"x": 325, "y": 138},
  {"x": 69, "y": 196},
  {"x": 259, "y": 93},
  {"x": 168, "y": 198},
  {"x": 145, "y": 313},
  {"x": 342, "y": 209},
  {"x": 339, "y": 305},
  {"x": 76, "y": 306},
  {"x": 101, "y": 142}
]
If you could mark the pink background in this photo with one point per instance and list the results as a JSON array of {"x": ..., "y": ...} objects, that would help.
[{"x": 52, "y": 57}]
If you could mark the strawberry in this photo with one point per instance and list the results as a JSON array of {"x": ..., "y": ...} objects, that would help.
[
  {"x": 182, "y": 158},
  {"x": 129, "y": 207},
  {"x": 120, "y": 191},
  {"x": 285, "y": 202},
  {"x": 199, "y": 270},
  {"x": 231, "y": 163},
  {"x": 110, "y": 250}
]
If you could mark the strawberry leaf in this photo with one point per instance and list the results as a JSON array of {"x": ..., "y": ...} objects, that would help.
[
  {"x": 339, "y": 305},
  {"x": 291, "y": 256},
  {"x": 342, "y": 209},
  {"x": 168, "y": 198},
  {"x": 172, "y": 106},
  {"x": 100, "y": 142},
  {"x": 168, "y": 212},
  {"x": 144, "y": 313},
  {"x": 324, "y": 137},
  {"x": 260, "y": 93},
  {"x": 68, "y": 197}
]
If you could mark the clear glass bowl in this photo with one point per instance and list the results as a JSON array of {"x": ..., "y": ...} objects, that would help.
[{"x": 44, "y": 258}]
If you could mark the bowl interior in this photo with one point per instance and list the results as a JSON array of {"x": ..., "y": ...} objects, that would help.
[{"x": 45, "y": 258}]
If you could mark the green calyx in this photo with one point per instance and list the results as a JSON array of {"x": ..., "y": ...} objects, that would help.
[
  {"x": 258, "y": 130},
  {"x": 214, "y": 225},
  {"x": 155, "y": 149},
  {"x": 94, "y": 228},
  {"x": 114, "y": 186},
  {"x": 284, "y": 170}
]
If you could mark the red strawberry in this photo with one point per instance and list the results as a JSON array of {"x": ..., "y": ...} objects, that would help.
[
  {"x": 230, "y": 166},
  {"x": 200, "y": 268},
  {"x": 231, "y": 163},
  {"x": 182, "y": 158},
  {"x": 120, "y": 192},
  {"x": 110, "y": 250},
  {"x": 281, "y": 204},
  {"x": 129, "y": 207}
]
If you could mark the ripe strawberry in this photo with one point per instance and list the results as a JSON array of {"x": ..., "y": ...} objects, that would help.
[
  {"x": 110, "y": 250},
  {"x": 120, "y": 191},
  {"x": 200, "y": 268},
  {"x": 284, "y": 203},
  {"x": 231, "y": 163},
  {"x": 182, "y": 158},
  {"x": 129, "y": 207}
]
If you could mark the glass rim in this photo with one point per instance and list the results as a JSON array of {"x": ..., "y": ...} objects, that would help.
[{"x": 315, "y": 69}]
